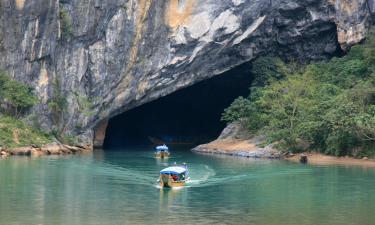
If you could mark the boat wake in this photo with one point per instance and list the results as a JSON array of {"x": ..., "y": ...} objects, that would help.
[
  {"x": 200, "y": 178},
  {"x": 205, "y": 176},
  {"x": 201, "y": 175}
]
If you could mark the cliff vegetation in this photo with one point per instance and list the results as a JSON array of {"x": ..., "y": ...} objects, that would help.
[
  {"x": 15, "y": 99},
  {"x": 328, "y": 106}
]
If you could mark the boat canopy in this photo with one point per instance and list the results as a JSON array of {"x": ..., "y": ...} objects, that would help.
[
  {"x": 174, "y": 170},
  {"x": 162, "y": 148}
]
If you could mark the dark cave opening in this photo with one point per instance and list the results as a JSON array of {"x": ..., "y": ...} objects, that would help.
[{"x": 189, "y": 116}]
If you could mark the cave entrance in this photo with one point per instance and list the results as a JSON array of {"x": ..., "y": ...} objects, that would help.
[{"x": 189, "y": 116}]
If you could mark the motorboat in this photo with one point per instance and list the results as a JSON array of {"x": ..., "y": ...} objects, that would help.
[
  {"x": 162, "y": 151},
  {"x": 174, "y": 176}
]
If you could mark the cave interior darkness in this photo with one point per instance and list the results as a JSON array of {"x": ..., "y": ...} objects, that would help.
[{"x": 191, "y": 115}]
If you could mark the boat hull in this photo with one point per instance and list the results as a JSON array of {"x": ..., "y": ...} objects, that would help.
[
  {"x": 162, "y": 155},
  {"x": 167, "y": 181}
]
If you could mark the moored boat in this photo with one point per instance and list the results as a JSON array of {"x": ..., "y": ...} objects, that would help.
[
  {"x": 174, "y": 176},
  {"x": 162, "y": 151}
]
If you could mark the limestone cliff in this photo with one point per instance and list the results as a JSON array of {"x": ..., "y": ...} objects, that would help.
[{"x": 107, "y": 56}]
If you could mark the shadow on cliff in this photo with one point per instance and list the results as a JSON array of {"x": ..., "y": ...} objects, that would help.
[{"x": 189, "y": 116}]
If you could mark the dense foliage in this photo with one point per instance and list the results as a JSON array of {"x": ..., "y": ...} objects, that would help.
[{"x": 329, "y": 106}]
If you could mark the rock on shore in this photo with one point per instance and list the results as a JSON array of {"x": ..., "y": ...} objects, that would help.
[
  {"x": 318, "y": 159},
  {"x": 49, "y": 149},
  {"x": 236, "y": 141}
]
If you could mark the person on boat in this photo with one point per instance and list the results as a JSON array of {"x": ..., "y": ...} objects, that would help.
[{"x": 174, "y": 177}]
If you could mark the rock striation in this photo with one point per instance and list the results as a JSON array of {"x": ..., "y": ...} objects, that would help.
[{"x": 107, "y": 56}]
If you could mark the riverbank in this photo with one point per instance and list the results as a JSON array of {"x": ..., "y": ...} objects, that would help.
[
  {"x": 319, "y": 159},
  {"x": 235, "y": 140},
  {"x": 48, "y": 149},
  {"x": 249, "y": 148}
]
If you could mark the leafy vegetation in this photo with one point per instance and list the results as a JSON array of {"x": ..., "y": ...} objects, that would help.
[
  {"x": 57, "y": 103},
  {"x": 66, "y": 24},
  {"x": 15, "y": 133},
  {"x": 59, "y": 110},
  {"x": 327, "y": 106},
  {"x": 85, "y": 104},
  {"x": 15, "y": 99}
]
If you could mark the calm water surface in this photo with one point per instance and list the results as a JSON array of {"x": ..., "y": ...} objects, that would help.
[{"x": 118, "y": 187}]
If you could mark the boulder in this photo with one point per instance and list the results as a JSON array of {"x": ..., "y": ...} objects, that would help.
[
  {"x": 53, "y": 148},
  {"x": 37, "y": 152},
  {"x": 303, "y": 158},
  {"x": 4, "y": 153},
  {"x": 73, "y": 149},
  {"x": 21, "y": 150},
  {"x": 235, "y": 130}
]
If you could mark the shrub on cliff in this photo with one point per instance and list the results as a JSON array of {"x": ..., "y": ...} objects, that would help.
[
  {"x": 66, "y": 24},
  {"x": 15, "y": 96},
  {"x": 330, "y": 105}
]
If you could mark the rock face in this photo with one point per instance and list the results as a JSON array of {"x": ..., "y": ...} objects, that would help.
[
  {"x": 108, "y": 56},
  {"x": 237, "y": 141},
  {"x": 235, "y": 130}
]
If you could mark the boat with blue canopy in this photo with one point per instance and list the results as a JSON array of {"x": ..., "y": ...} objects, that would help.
[
  {"x": 162, "y": 151},
  {"x": 174, "y": 176}
]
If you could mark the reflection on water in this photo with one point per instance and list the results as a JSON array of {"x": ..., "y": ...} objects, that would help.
[
  {"x": 171, "y": 199},
  {"x": 119, "y": 187}
]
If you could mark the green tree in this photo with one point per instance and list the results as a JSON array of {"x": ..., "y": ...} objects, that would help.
[{"x": 15, "y": 96}]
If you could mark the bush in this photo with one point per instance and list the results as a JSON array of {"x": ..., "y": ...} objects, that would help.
[{"x": 15, "y": 96}]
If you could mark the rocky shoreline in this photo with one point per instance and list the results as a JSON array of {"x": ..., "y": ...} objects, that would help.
[
  {"x": 48, "y": 149},
  {"x": 236, "y": 147},
  {"x": 236, "y": 141}
]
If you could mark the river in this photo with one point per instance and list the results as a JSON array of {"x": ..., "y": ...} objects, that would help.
[{"x": 118, "y": 187}]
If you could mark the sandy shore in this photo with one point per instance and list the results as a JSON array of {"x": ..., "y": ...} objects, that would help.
[
  {"x": 231, "y": 145},
  {"x": 320, "y": 159}
]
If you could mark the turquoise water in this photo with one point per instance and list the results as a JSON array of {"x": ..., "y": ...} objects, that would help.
[{"x": 118, "y": 187}]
